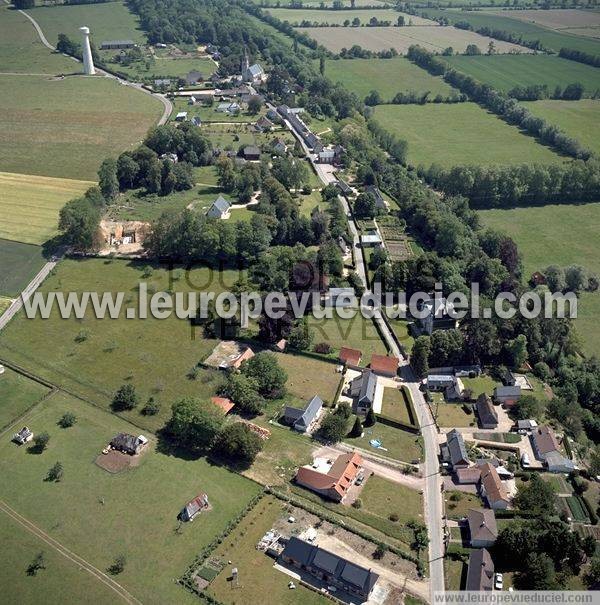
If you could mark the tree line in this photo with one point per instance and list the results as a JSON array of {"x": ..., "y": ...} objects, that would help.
[{"x": 579, "y": 56}]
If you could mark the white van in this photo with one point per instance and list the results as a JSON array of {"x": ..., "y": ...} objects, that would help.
[{"x": 525, "y": 460}]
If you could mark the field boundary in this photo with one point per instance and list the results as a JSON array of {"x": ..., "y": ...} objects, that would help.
[{"x": 68, "y": 554}]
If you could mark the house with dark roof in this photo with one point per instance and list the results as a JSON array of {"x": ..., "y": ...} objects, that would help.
[
  {"x": 480, "y": 576},
  {"x": 483, "y": 529},
  {"x": 454, "y": 450},
  {"x": 331, "y": 479},
  {"x": 362, "y": 391},
  {"x": 438, "y": 315},
  {"x": 488, "y": 417},
  {"x": 491, "y": 487},
  {"x": 384, "y": 365},
  {"x": 194, "y": 507},
  {"x": 193, "y": 77},
  {"x": 251, "y": 153},
  {"x": 220, "y": 208},
  {"x": 350, "y": 356},
  {"x": 330, "y": 568},
  {"x": 507, "y": 395},
  {"x": 128, "y": 444},
  {"x": 376, "y": 193},
  {"x": 264, "y": 124},
  {"x": 302, "y": 418},
  {"x": 543, "y": 441}
]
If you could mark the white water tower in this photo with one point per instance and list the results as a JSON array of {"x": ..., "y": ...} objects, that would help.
[{"x": 88, "y": 62}]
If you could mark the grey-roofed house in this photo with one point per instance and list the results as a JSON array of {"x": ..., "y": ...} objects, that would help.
[
  {"x": 254, "y": 73},
  {"x": 480, "y": 576},
  {"x": 376, "y": 193},
  {"x": 543, "y": 441},
  {"x": 362, "y": 391},
  {"x": 193, "y": 76},
  {"x": 251, "y": 153},
  {"x": 557, "y": 463},
  {"x": 330, "y": 568},
  {"x": 302, "y": 418},
  {"x": 220, "y": 208},
  {"x": 483, "y": 529},
  {"x": 455, "y": 451},
  {"x": 507, "y": 395},
  {"x": 488, "y": 417}
]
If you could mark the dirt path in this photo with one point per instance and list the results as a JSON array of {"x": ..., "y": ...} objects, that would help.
[
  {"x": 395, "y": 577},
  {"x": 65, "y": 552}
]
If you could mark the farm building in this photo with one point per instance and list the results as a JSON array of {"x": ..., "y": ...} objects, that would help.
[
  {"x": 220, "y": 209},
  {"x": 480, "y": 575},
  {"x": 303, "y": 418},
  {"x": 331, "y": 479},
  {"x": 384, "y": 365},
  {"x": 128, "y": 444},
  {"x": 362, "y": 391},
  {"x": 194, "y": 507},
  {"x": 329, "y": 567},
  {"x": 350, "y": 356},
  {"x": 488, "y": 417},
  {"x": 483, "y": 529}
]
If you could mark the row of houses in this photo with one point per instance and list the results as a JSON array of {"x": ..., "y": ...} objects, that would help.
[{"x": 310, "y": 139}]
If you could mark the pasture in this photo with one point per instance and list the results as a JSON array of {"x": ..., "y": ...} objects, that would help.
[
  {"x": 21, "y": 50},
  {"x": 20, "y": 264},
  {"x": 562, "y": 235},
  {"x": 337, "y": 17},
  {"x": 560, "y": 19},
  {"x": 17, "y": 395},
  {"x": 108, "y": 21},
  {"x": 431, "y": 37},
  {"x": 133, "y": 513},
  {"x": 504, "y": 72},
  {"x": 552, "y": 39},
  {"x": 579, "y": 119},
  {"x": 387, "y": 76},
  {"x": 66, "y": 127},
  {"x": 29, "y": 205},
  {"x": 431, "y": 131}
]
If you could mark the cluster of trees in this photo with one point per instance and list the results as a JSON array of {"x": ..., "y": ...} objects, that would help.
[
  {"x": 197, "y": 425},
  {"x": 79, "y": 219},
  {"x": 530, "y": 184},
  {"x": 413, "y": 97},
  {"x": 500, "y": 104},
  {"x": 580, "y": 56},
  {"x": 535, "y": 92},
  {"x": 358, "y": 52},
  {"x": 573, "y": 278}
]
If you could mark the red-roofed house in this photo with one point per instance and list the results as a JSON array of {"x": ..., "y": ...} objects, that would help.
[
  {"x": 350, "y": 356},
  {"x": 224, "y": 403},
  {"x": 332, "y": 480},
  {"x": 384, "y": 365}
]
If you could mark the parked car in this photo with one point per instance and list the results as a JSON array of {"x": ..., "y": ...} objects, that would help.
[
  {"x": 498, "y": 581},
  {"x": 525, "y": 460}
]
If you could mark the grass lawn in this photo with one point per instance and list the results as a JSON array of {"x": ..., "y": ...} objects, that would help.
[
  {"x": 308, "y": 376},
  {"x": 110, "y": 21},
  {"x": 29, "y": 205},
  {"x": 579, "y": 119},
  {"x": 498, "y": 437},
  {"x": 453, "y": 415},
  {"x": 5, "y": 302},
  {"x": 394, "y": 405},
  {"x": 21, "y": 50},
  {"x": 17, "y": 395},
  {"x": 456, "y": 509},
  {"x": 66, "y": 127},
  {"x": 504, "y": 72},
  {"x": 210, "y": 114},
  {"x": 258, "y": 577},
  {"x": 382, "y": 498},
  {"x": 399, "y": 444},
  {"x": 402, "y": 332},
  {"x": 454, "y": 569},
  {"x": 131, "y": 513},
  {"x": 537, "y": 231},
  {"x": 358, "y": 333},
  {"x": 61, "y": 576},
  {"x": 154, "y": 355},
  {"x": 558, "y": 483},
  {"x": 387, "y": 76},
  {"x": 481, "y": 384},
  {"x": 20, "y": 264},
  {"x": 485, "y": 139}
]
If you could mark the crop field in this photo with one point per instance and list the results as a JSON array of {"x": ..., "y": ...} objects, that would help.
[
  {"x": 66, "y": 127},
  {"x": 107, "y": 522},
  {"x": 579, "y": 119},
  {"x": 387, "y": 76},
  {"x": 338, "y": 17},
  {"x": 29, "y": 205},
  {"x": 431, "y": 37},
  {"x": 108, "y": 21},
  {"x": 257, "y": 575},
  {"x": 21, "y": 50},
  {"x": 561, "y": 19},
  {"x": 93, "y": 357},
  {"x": 17, "y": 395},
  {"x": 20, "y": 263},
  {"x": 326, "y": 3},
  {"x": 504, "y": 72},
  {"x": 431, "y": 131},
  {"x": 561, "y": 235},
  {"x": 552, "y": 39}
]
